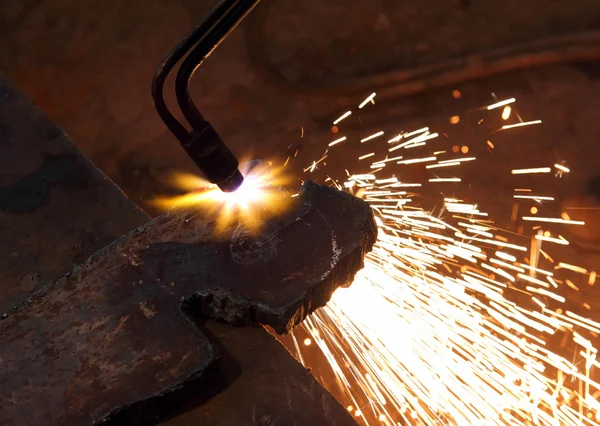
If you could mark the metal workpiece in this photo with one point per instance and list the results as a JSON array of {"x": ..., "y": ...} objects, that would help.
[
  {"x": 56, "y": 210},
  {"x": 264, "y": 385},
  {"x": 114, "y": 334},
  {"x": 56, "y": 207}
]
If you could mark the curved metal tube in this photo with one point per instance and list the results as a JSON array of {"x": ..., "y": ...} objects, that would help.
[
  {"x": 167, "y": 64},
  {"x": 202, "y": 143},
  {"x": 226, "y": 17}
]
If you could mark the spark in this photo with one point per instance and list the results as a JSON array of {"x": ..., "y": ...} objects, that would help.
[
  {"x": 552, "y": 240},
  {"x": 418, "y": 139},
  {"x": 562, "y": 168},
  {"x": 416, "y": 132},
  {"x": 335, "y": 142},
  {"x": 528, "y": 171},
  {"x": 417, "y": 160},
  {"x": 534, "y": 269},
  {"x": 573, "y": 268},
  {"x": 395, "y": 138},
  {"x": 387, "y": 160},
  {"x": 450, "y": 164},
  {"x": 534, "y": 197},
  {"x": 344, "y": 115},
  {"x": 534, "y": 280},
  {"x": 506, "y": 112},
  {"x": 451, "y": 320},
  {"x": 373, "y": 136},
  {"x": 553, "y": 220},
  {"x": 506, "y": 256},
  {"x": 314, "y": 164},
  {"x": 367, "y": 100},
  {"x": 500, "y": 104},
  {"x": 388, "y": 180},
  {"x": 454, "y": 179},
  {"x": 526, "y": 123},
  {"x": 459, "y": 160},
  {"x": 572, "y": 285},
  {"x": 456, "y": 356},
  {"x": 362, "y": 157}
]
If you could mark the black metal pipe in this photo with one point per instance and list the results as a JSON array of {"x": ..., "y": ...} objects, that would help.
[
  {"x": 228, "y": 17},
  {"x": 202, "y": 143},
  {"x": 166, "y": 66}
]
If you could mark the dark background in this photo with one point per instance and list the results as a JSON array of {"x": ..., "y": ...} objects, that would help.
[{"x": 89, "y": 64}]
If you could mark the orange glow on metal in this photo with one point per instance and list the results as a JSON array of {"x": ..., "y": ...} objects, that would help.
[{"x": 259, "y": 195}]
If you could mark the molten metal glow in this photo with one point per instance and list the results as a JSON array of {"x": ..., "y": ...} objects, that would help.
[
  {"x": 260, "y": 194},
  {"x": 448, "y": 323}
]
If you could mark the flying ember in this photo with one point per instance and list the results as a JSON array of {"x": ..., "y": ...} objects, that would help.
[{"x": 454, "y": 320}]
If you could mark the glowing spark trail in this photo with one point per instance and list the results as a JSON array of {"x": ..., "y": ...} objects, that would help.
[
  {"x": 445, "y": 180},
  {"x": 534, "y": 197},
  {"x": 335, "y": 142},
  {"x": 553, "y": 220},
  {"x": 552, "y": 240},
  {"x": 416, "y": 160},
  {"x": 373, "y": 136},
  {"x": 362, "y": 157},
  {"x": 527, "y": 123},
  {"x": 416, "y": 132},
  {"x": 345, "y": 115},
  {"x": 528, "y": 171},
  {"x": 450, "y": 164},
  {"x": 427, "y": 333},
  {"x": 501, "y": 104},
  {"x": 452, "y": 321},
  {"x": 367, "y": 100}
]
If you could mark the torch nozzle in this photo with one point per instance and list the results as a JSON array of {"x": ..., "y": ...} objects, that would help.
[
  {"x": 233, "y": 183},
  {"x": 214, "y": 159}
]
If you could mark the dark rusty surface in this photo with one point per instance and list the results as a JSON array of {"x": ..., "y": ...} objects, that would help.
[
  {"x": 56, "y": 208},
  {"x": 252, "y": 363},
  {"x": 110, "y": 333},
  {"x": 73, "y": 221}
]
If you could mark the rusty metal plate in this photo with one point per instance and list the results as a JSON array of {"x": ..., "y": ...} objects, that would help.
[
  {"x": 56, "y": 207},
  {"x": 111, "y": 333}
]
